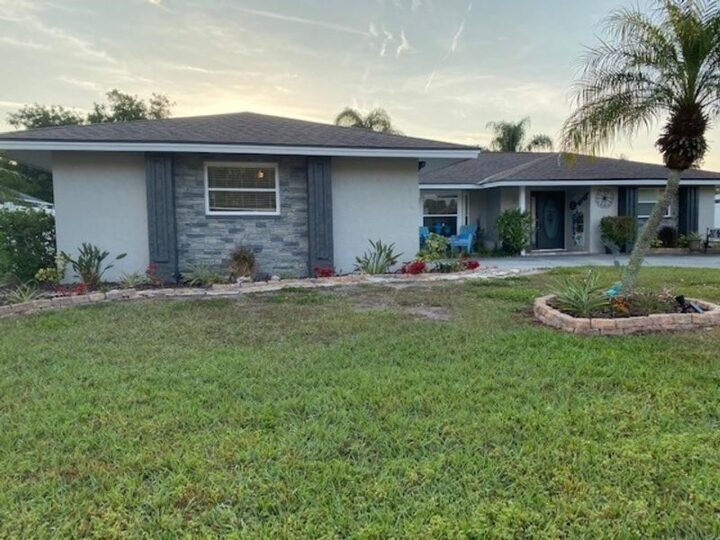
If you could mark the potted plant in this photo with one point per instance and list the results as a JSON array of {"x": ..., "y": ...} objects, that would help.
[{"x": 694, "y": 241}]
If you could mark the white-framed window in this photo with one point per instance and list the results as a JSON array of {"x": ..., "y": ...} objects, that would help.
[
  {"x": 442, "y": 212},
  {"x": 647, "y": 198},
  {"x": 239, "y": 188}
]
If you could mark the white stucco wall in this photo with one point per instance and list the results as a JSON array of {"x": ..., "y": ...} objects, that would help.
[
  {"x": 374, "y": 199},
  {"x": 101, "y": 198},
  {"x": 706, "y": 209},
  {"x": 596, "y": 214}
]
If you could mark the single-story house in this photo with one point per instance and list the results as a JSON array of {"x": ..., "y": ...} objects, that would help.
[
  {"x": 566, "y": 195},
  {"x": 185, "y": 191}
]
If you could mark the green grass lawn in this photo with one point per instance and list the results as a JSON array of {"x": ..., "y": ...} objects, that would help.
[{"x": 424, "y": 412}]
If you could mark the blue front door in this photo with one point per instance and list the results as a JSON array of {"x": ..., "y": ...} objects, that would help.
[{"x": 550, "y": 216}]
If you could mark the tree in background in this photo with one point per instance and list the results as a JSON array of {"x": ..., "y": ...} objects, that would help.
[
  {"x": 40, "y": 116},
  {"x": 126, "y": 108},
  {"x": 650, "y": 67},
  {"x": 512, "y": 137},
  {"x": 120, "y": 107},
  {"x": 376, "y": 120}
]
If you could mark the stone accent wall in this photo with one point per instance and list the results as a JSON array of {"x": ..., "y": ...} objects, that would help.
[
  {"x": 280, "y": 242},
  {"x": 661, "y": 322}
]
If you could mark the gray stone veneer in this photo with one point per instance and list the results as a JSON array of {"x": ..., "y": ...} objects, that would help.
[{"x": 280, "y": 242}]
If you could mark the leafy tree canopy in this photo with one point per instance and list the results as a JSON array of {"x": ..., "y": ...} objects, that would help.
[{"x": 120, "y": 107}]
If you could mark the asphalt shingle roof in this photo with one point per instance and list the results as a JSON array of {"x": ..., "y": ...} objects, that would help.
[
  {"x": 233, "y": 129},
  {"x": 541, "y": 166}
]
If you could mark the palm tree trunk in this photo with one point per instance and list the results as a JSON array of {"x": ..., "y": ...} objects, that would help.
[{"x": 649, "y": 232}]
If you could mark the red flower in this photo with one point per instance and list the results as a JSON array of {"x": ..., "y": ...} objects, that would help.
[
  {"x": 324, "y": 272},
  {"x": 472, "y": 265},
  {"x": 151, "y": 273},
  {"x": 414, "y": 267}
]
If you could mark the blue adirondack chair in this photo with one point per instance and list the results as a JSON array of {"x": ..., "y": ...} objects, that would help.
[
  {"x": 465, "y": 239},
  {"x": 424, "y": 234}
]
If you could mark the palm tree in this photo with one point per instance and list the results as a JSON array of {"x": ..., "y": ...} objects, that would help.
[
  {"x": 665, "y": 65},
  {"x": 375, "y": 120},
  {"x": 510, "y": 137}
]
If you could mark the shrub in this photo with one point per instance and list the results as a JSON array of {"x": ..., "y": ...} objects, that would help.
[
  {"x": 27, "y": 243},
  {"x": 24, "y": 292},
  {"x": 136, "y": 279},
  {"x": 414, "y": 267},
  {"x": 323, "y": 271},
  {"x": 49, "y": 276},
  {"x": 202, "y": 275},
  {"x": 89, "y": 264},
  {"x": 618, "y": 231},
  {"x": 436, "y": 247},
  {"x": 242, "y": 262},
  {"x": 580, "y": 296},
  {"x": 449, "y": 267},
  {"x": 514, "y": 229},
  {"x": 378, "y": 260},
  {"x": 668, "y": 236}
]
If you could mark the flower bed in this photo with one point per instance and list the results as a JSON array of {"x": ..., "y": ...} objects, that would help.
[
  {"x": 547, "y": 314},
  {"x": 232, "y": 290}
]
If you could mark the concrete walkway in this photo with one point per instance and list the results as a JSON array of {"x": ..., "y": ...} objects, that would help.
[{"x": 535, "y": 262}]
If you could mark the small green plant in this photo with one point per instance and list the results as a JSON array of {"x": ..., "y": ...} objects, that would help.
[
  {"x": 436, "y": 247},
  {"x": 514, "y": 230},
  {"x": 242, "y": 262},
  {"x": 135, "y": 279},
  {"x": 24, "y": 292},
  {"x": 378, "y": 260},
  {"x": 90, "y": 263},
  {"x": 49, "y": 276},
  {"x": 202, "y": 275},
  {"x": 580, "y": 296},
  {"x": 692, "y": 241},
  {"x": 618, "y": 231}
]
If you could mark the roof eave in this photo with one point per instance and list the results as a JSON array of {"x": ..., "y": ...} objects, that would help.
[
  {"x": 460, "y": 184},
  {"x": 597, "y": 182},
  {"x": 85, "y": 146}
]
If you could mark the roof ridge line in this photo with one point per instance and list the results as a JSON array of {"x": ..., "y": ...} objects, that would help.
[{"x": 504, "y": 174}]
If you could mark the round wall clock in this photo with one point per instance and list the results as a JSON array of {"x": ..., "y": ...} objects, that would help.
[{"x": 604, "y": 198}]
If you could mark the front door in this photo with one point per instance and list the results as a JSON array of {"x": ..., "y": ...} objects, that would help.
[{"x": 550, "y": 219}]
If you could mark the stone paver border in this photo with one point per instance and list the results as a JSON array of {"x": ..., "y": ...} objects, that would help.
[
  {"x": 623, "y": 326},
  {"x": 230, "y": 291}
]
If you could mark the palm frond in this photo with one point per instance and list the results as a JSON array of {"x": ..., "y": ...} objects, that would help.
[
  {"x": 540, "y": 142},
  {"x": 350, "y": 118}
]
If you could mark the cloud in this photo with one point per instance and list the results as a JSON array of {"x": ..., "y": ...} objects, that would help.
[
  {"x": 303, "y": 20},
  {"x": 388, "y": 38},
  {"x": 5, "y": 40},
  {"x": 415, "y": 5},
  {"x": 89, "y": 85},
  {"x": 404, "y": 45},
  {"x": 453, "y": 47}
]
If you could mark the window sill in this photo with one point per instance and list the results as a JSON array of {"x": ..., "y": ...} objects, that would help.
[{"x": 230, "y": 215}]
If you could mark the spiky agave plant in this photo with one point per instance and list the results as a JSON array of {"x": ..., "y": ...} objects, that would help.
[{"x": 661, "y": 66}]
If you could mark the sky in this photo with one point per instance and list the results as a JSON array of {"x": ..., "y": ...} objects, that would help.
[{"x": 443, "y": 69}]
